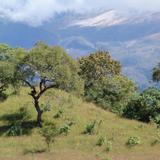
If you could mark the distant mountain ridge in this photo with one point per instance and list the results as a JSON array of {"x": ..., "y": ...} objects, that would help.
[{"x": 133, "y": 39}]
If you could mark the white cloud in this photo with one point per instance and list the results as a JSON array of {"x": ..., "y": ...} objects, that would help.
[{"x": 35, "y": 12}]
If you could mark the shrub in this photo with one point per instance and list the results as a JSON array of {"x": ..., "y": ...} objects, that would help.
[
  {"x": 49, "y": 132},
  {"x": 109, "y": 146},
  {"x": 46, "y": 107},
  {"x": 101, "y": 141},
  {"x": 145, "y": 106},
  {"x": 157, "y": 140},
  {"x": 133, "y": 141},
  {"x": 15, "y": 130},
  {"x": 59, "y": 114},
  {"x": 90, "y": 128},
  {"x": 111, "y": 93},
  {"x": 65, "y": 128}
]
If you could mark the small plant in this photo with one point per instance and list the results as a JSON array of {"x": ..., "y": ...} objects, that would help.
[
  {"x": 46, "y": 107},
  {"x": 15, "y": 130},
  {"x": 133, "y": 141},
  {"x": 59, "y": 114},
  {"x": 49, "y": 132},
  {"x": 157, "y": 140},
  {"x": 108, "y": 146},
  {"x": 66, "y": 128},
  {"x": 90, "y": 128},
  {"x": 101, "y": 141}
]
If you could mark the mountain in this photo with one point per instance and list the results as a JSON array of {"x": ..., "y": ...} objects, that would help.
[
  {"x": 132, "y": 38},
  {"x": 109, "y": 18}
]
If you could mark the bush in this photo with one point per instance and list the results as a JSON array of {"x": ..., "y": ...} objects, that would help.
[
  {"x": 145, "y": 106},
  {"x": 65, "y": 128},
  {"x": 133, "y": 141},
  {"x": 15, "y": 130},
  {"x": 157, "y": 140},
  {"x": 49, "y": 132},
  {"x": 101, "y": 141},
  {"x": 112, "y": 93},
  {"x": 46, "y": 107},
  {"x": 90, "y": 128},
  {"x": 59, "y": 114},
  {"x": 109, "y": 146}
]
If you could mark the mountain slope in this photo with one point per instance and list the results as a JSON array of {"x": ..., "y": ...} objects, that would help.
[
  {"x": 75, "y": 145},
  {"x": 133, "y": 39}
]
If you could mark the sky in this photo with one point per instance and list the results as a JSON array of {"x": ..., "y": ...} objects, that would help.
[{"x": 36, "y": 12}]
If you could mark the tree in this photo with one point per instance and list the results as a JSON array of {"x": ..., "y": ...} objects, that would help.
[
  {"x": 52, "y": 68},
  {"x": 98, "y": 65},
  {"x": 104, "y": 83},
  {"x": 7, "y": 69},
  {"x": 156, "y": 73}
]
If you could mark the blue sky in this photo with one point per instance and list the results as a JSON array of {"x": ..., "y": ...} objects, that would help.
[{"x": 35, "y": 12}]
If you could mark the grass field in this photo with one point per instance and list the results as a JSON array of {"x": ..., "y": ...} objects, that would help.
[{"x": 75, "y": 145}]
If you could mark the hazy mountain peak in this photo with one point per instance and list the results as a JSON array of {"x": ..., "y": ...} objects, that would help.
[{"x": 106, "y": 19}]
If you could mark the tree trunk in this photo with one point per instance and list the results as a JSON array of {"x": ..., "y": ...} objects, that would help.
[{"x": 39, "y": 112}]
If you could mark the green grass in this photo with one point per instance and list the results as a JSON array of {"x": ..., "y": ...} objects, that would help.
[{"x": 75, "y": 145}]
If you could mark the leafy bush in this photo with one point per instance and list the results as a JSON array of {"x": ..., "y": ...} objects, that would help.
[
  {"x": 112, "y": 93},
  {"x": 109, "y": 146},
  {"x": 101, "y": 141},
  {"x": 145, "y": 106},
  {"x": 59, "y": 114},
  {"x": 15, "y": 130},
  {"x": 49, "y": 132},
  {"x": 65, "y": 128},
  {"x": 46, "y": 107},
  {"x": 90, "y": 128},
  {"x": 133, "y": 141},
  {"x": 157, "y": 140}
]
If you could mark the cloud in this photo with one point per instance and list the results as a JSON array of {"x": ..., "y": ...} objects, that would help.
[{"x": 36, "y": 12}]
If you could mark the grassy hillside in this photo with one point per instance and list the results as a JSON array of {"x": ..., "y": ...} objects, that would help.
[{"x": 75, "y": 145}]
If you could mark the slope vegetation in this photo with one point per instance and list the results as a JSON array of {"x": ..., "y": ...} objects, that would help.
[{"x": 74, "y": 145}]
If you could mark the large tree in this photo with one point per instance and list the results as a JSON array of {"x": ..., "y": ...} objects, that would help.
[
  {"x": 104, "y": 82},
  {"x": 7, "y": 69},
  {"x": 98, "y": 65},
  {"x": 52, "y": 67}
]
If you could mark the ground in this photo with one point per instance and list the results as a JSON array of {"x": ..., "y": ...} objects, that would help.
[{"x": 75, "y": 145}]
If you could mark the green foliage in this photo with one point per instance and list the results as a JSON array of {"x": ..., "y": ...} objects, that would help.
[
  {"x": 109, "y": 146},
  {"x": 133, "y": 141},
  {"x": 145, "y": 106},
  {"x": 16, "y": 121},
  {"x": 9, "y": 57},
  {"x": 15, "y": 129},
  {"x": 104, "y": 83},
  {"x": 112, "y": 93},
  {"x": 49, "y": 132},
  {"x": 54, "y": 66},
  {"x": 98, "y": 65},
  {"x": 65, "y": 128},
  {"x": 157, "y": 139},
  {"x": 46, "y": 107},
  {"x": 156, "y": 73},
  {"x": 90, "y": 128},
  {"x": 101, "y": 141},
  {"x": 59, "y": 114}
]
